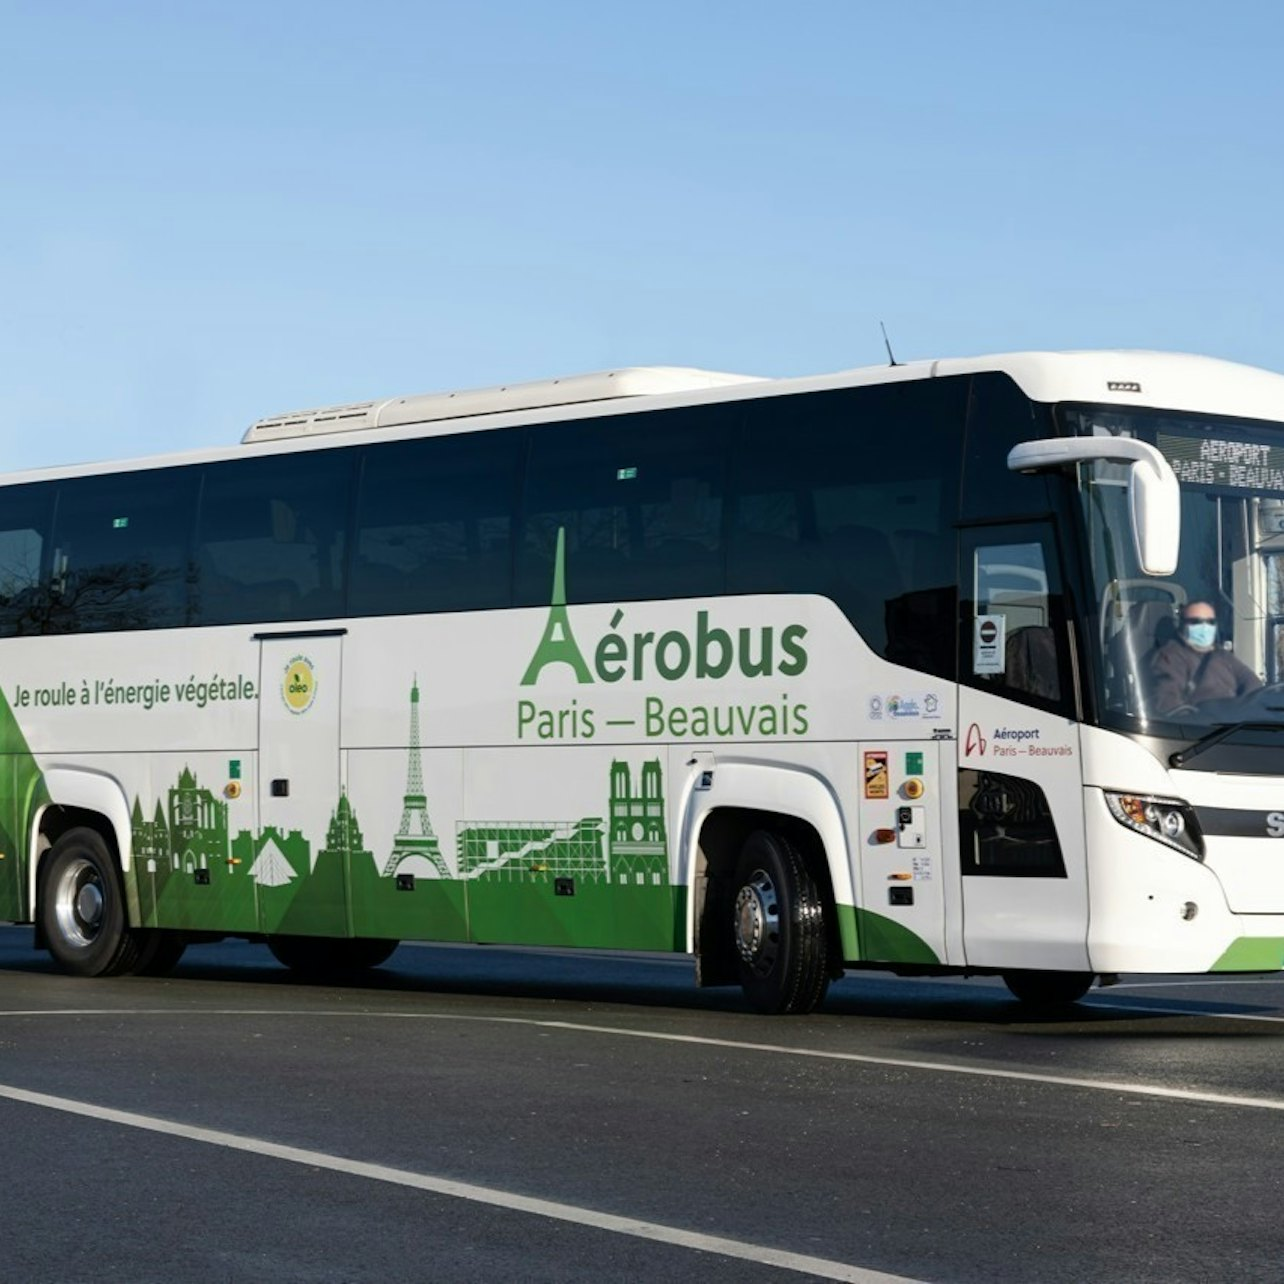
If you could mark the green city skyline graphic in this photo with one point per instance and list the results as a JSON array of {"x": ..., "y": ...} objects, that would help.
[{"x": 191, "y": 872}]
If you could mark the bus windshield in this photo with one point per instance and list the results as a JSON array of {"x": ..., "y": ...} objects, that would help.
[{"x": 1203, "y": 649}]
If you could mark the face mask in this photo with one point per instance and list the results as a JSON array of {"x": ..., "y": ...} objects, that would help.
[{"x": 1201, "y": 634}]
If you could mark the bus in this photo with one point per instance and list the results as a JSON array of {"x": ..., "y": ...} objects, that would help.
[{"x": 795, "y": 677}]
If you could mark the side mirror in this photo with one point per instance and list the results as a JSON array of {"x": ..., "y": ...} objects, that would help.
[
  {"x": 1154, "y": 497},
  {"x": 1154, "y": 501}
]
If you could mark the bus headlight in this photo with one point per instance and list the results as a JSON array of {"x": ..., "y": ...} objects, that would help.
[{"x": 1167, "y": 820}]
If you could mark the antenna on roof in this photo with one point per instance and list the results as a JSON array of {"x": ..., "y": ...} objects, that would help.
[{"x": 891, "y": 360}]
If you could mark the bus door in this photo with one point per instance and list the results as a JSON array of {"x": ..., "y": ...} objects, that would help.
[
  {"x": 1020, "y": 796},
  {"x": 300, "y": 882}
]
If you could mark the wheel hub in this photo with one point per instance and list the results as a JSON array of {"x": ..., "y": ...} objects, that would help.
[
  {"x": 89, "y": 904},
  {"x": 79, "y": 902},
  {"x": 757, "y": 921}
]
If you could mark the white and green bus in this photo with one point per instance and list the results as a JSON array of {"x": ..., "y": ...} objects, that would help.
[{"x": 794, "y": 676}]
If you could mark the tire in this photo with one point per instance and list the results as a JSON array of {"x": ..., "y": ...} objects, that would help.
[
  {"x": 82, "y": 908},
  {"x": 1049, "y": 989},
  {"x": 778, "y": 927},
  {"x": 330, "y": 956},
  {"x": 160, "y": 953}
]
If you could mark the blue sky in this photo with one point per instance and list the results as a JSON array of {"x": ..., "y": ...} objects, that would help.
[{"x": 217, "y": 211}]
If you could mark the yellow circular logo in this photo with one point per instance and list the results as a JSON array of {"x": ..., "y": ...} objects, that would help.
[{"x": 299, "y": 686}]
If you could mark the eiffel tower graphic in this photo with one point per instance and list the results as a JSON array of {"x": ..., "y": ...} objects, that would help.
[
  {"x": 415, "y": 837},
  {"x": 558, "y": 645}
]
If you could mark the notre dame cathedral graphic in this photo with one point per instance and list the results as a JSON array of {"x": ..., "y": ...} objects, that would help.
[{"x": 638, "y": 842}]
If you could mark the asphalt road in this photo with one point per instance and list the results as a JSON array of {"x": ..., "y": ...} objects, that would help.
[{"x": 471, "y": 1114}]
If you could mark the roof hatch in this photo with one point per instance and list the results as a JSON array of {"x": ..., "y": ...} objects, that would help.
[{"x": 607, "y": 385}]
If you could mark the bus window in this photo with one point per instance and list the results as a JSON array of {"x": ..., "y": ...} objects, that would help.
[
  {"x": 1000, "y": 416},
  {"x": 640, "y": 499},
  {"x": 23, "y": 528},
  {"x": 120, "y": 552},
  {"x": 853, "y": 495},
  {"x": 434, "y": 525},
  {"x": 1014, "y": 615},
  {"x": 271, "y": 538}
]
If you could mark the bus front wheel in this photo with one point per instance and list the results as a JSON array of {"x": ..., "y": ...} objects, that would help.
[
  {"x": 82, "y": 907},
  {"x": 779, "y": 927},
  {"x": 1049, "y": 989}
]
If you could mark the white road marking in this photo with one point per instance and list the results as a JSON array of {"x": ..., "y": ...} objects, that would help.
[
  {"x": 1142, "y": 1010},
  {"x": 945, "y": 1067},
  {"x": 760, "y": 1254},
  {"x": 1114, "y": 1086},
  {"x": 1191, "y": 985}
]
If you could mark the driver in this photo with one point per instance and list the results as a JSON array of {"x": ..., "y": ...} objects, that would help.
[{"x": 1192, "y": 669}]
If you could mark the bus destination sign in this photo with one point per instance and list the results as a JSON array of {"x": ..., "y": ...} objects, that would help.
[{"x": 1217, "y": 461}]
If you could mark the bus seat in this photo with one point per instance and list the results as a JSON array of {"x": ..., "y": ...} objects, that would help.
[
  {"x": 1123, "y": 601},
  {"x": 1030, "y": 660},
  {"x": 1146, "y": 627}
]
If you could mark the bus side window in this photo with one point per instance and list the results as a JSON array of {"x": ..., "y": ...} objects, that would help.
[
  {"x": 120, "y": 552},
  {"x": 434, "y": 524},
  {"x": 24, "y": 527},
  {"x": 999, "y": 416},
  {"x": 1014, "y": 636},
  {"x": 853, "y": 495},
  {"x": 640, "y": 500},
  {"x": 271, "y": 538}
]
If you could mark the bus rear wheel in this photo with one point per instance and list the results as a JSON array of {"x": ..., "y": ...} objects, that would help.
[
  {"x": 330, "y": 956},
  {"x": 1049, "y": 989},
  {"x": 82, "y": 908},
  {"x": 779, "y": 927}
]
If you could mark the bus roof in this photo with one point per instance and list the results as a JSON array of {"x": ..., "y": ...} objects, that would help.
[{"x": 1160, "y": 380}]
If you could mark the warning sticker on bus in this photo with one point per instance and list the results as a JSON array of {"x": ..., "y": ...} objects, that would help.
[
  {"x": 877, "y": 782},
  {"x": 987, "y": 644}
]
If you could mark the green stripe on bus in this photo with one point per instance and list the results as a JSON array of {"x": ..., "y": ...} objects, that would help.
[
  {"x": 872, "y": 938},
  {"x": 22, "y": 792},
  {"x": 1252, "y": 954}
]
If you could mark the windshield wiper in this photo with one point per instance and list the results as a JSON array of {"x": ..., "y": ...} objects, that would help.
[{"x": 1183, "y": 756}]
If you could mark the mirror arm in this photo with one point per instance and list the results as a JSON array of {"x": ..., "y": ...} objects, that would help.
[
  {"x": 1055, "y": 452},
  {"x": 1154, "y": 497}
]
